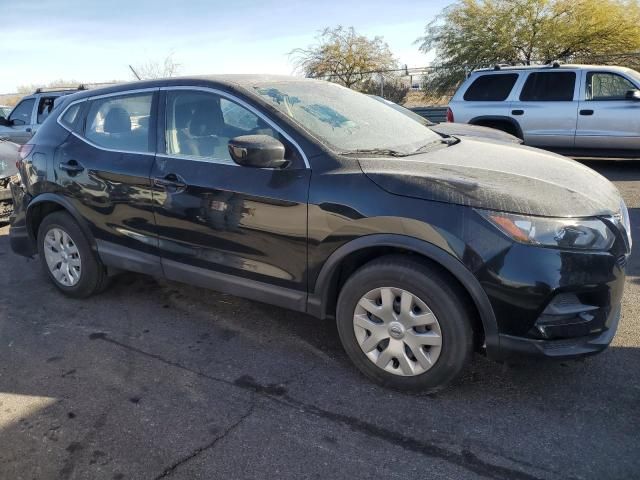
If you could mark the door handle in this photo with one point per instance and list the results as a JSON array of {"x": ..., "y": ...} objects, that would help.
[
  {"x": 71, "y": 167},
  {"x": 586, "y": 112},
  {"x": 517, "y": 112},
  {"x": 28, "y": 129},
  {"x": 170, "y": 181}
]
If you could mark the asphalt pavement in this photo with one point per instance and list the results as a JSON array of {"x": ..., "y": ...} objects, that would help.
[{"x": 154, "y": 380}]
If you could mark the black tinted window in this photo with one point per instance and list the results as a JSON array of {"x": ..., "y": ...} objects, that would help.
[
  {"x": 491, "y": 88},
  {"x": 549, "y": 87}
]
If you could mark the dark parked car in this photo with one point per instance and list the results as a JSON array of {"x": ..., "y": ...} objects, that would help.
[
  {"x": 453, "y": 129},
  {"x": 8, "y": 173},
  {"x": 307, "y": 195}
]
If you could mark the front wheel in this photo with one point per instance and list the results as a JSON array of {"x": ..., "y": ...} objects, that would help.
[{"x": 404, "y": 324}]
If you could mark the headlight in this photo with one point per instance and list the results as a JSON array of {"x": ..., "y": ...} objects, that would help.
[
  {"x": 626, "y": 222},
  {"x": 592, "y": 234}
]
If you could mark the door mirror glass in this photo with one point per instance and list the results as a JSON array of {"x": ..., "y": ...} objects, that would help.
[
  {"x": 633, "y": 95},
  {"x": 258, "y": 151}
]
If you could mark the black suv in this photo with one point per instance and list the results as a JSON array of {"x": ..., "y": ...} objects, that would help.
[{"x": 307, "y": 195}]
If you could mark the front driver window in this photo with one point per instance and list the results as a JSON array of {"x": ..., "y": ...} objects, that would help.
[
  {"x": 607, "y": 86},
  {"x": 200, "y": 124},
  {"x": 21, "y": 115}
]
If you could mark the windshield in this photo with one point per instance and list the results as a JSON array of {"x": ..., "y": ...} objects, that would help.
[
  {"x": 347, "y": 120},
  {"x": 634, "y": 74},
  {"x": 403, "y": 110}
]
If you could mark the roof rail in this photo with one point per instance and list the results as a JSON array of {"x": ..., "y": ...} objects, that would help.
[{"x": 59, "y": 89}]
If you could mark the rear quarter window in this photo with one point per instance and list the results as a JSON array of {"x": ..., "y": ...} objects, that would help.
[
  {"x": 71, "y": 115},
  {"x": 491, "y": 88}
]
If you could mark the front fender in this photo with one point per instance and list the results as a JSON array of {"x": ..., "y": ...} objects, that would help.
[{"x": 319, "y": 298}]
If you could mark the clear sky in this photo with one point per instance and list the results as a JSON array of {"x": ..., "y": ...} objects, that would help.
[{"x": 92, "y": 41}]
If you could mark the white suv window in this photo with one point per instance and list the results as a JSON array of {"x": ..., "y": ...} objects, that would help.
[
  {"x": 607, "y": 86},
  {"x": 45, "y": 105},
  {"x": 549, "y": 87},
  {"x": 21, "y": 115},
  {"x": 491, "y": 88}
]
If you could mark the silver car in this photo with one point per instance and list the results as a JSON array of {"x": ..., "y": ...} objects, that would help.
[
  {"x": 27, "y": 116},
  {"x": 580, "y": 110},
  {"x": 453, "y": 129}
]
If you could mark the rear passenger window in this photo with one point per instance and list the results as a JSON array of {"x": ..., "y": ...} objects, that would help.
[
  {"x": 491, "y": 88},
  {"x": 70, "y": 116},
  {"x": 120, "y": 123},
  {"x": 549, "y": 87},
  {"x": 45, "y": 105}
]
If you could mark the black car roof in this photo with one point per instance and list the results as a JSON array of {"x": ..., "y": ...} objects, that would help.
[{"x": 232, "y": 81}]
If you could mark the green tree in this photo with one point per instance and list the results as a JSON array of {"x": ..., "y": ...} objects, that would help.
[
  {"x": 475, "y": 33},
  {"x": 343, "y": 56}
]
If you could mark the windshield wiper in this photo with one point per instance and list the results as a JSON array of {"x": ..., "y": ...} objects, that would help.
[
  {"x": 387, "y": 152},
  {"x": 448, "y": 141}
]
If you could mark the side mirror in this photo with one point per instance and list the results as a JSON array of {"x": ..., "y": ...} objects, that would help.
[
  {"x": 17, "y": 122},
  {"x": 633, "y": 95},
  {"x": 259, "y": 151}
]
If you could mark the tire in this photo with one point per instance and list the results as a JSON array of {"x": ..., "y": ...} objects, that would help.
[
  {"x": 58, "y": 234},
  {"x": 427, "y": 287}
]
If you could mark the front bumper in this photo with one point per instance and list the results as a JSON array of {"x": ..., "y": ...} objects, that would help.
[
  {"x": 19, "y": 238},
  {"x": 566, "y": 348},
  {"x": 547, "y": 302},
  {"x": 6, "y": 202}
]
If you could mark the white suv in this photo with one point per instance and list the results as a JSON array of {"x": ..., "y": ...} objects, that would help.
[
  {"x": 575, "y": 109},
  {"x": 27, "y": 116}
]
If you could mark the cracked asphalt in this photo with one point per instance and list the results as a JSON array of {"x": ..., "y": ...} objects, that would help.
[{"x": 157, "y": 380}]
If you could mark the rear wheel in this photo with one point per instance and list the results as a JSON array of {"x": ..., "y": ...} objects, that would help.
[
  {"x": 67, "y": 258},
  {"x": 404, "y": 324}
]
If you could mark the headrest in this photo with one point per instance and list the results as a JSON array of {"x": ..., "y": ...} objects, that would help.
[
  {"x": 117, "y": 121},
  {"x": 206, "y": 120}
]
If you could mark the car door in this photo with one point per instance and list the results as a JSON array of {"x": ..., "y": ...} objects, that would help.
[
  {"x": 607, "y": 118},
  {"x": 547, "y": 108},
  {"x": 19, "y": 125},
  {"x": 104, "y": 166},
  {"x": 237, "y": 229}
]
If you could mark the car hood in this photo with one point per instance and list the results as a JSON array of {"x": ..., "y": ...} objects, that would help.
[
  {"x": 465, "y": 130},
  {"x": 498, "y": 176},
  {"x": 8, "y": 158}
]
